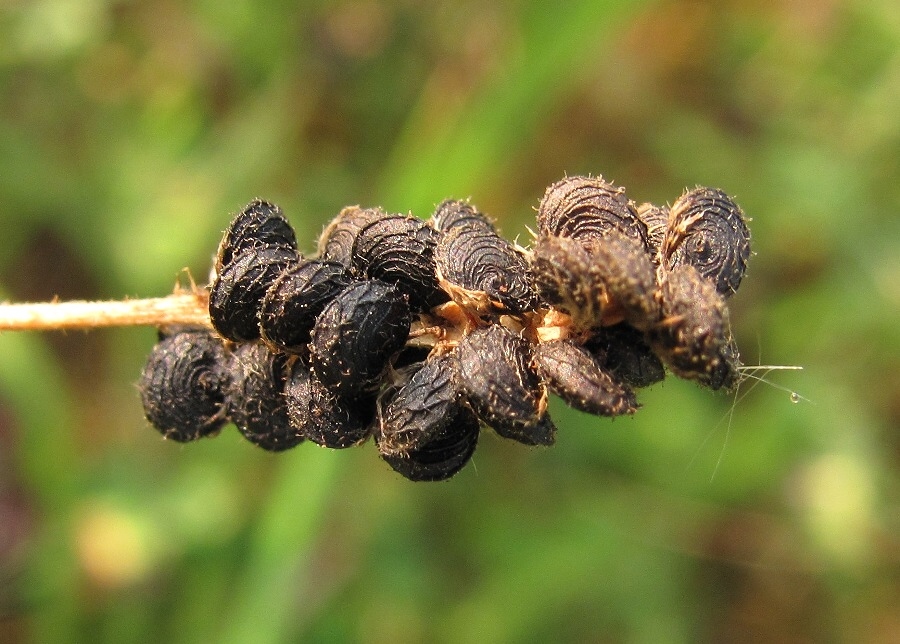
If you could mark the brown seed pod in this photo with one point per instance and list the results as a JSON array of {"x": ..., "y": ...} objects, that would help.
[
  {"x": 295, "y": 299},
  {"x": 587, "y": 209},
  {"x": 260, "y": 223},
  {"x": 323, "y": 418},
  {"x": 656, "y": 219},
  {"x": 482, "y": 271},
  {"x": 694, "y": 337},
  {"x": 182, "y": 385},
  {"x": 598, "y": 283},
  {"x": 622, "y": 269},
  {"x": 356, "y": 334},
  {"x": 237, "y": 292},
  {"x": 420, "y": 409},
  {"x": 453, "y": 212},
  {"x": 560, "y": 271},
  {"x": 708, "y": 231},
  {"x": 575, "y": 376},
  {"x": 256, "y": 402},
  {"x": 336, "y": 241},
  {"x": 622, "y": 350},
  {"x": 444, "y": 454},
  {"x": 399, "y": 250},
  {"x": 495, "y": 373}
]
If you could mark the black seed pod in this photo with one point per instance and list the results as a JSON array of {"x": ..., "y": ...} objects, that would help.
[
  {"x": 444, "y": 454},
  {"x": 494, "y": 371},
  {"x": 237, "y": 292},
  {"x": 295, "y": 299},
  {"x": 623, "y": 351},
  {"x": 336, "y": 241},
  {"x": 420, "y": 409},
  {"x": 182, "y": 385},
  {"x": 587, "y": 209},
  {"x": 575, "y": 376},
  {"x": 322, "y": 417},
  {"x": 482, "y": 271},
  {"x": 694, "y": 337},
  {"x": 656, "y": 220},
  {"x": 356, "y": 334},
  {"x": 399, "y": 250},
  {"x": 256, "y": 402},
  {"x": 708, "y": 231},
  {"x": 260, "y": 223},
  {"x": 453, "y": 212}
]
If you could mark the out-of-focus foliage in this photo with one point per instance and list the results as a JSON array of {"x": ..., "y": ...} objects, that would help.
[{"x": 129, "y": 131}]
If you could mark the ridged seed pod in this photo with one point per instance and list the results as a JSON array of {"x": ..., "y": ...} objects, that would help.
[
  {"x": 336, "y": 241},
  {"x": 694, "y": 337},
  {"x": 256, "y": 402},
  {"x": 482, "y": 271},
  {"x": 495, "y": 373},
  {"x": 356, "y": 334},
  {"x": 237, "y": 292},
  {"x": 587, "y": 209},
  {"x": 183, "y": 385},
  {"x": 444, "y": 454},
  {"x": 295, "y": 299},
  {"x": 623, "y": 351},
  {"x": 575, "y": 376},
  {"x": 399, "y": 250},
  {"x": 260, "y": 223},
  {"x": 323, "y": 418},
  {"x": 454, "y": 212},
  {"x": 420, "y": 409},
  {"x": 656, "y": 219},
  {"x": 708, "y": 231}
]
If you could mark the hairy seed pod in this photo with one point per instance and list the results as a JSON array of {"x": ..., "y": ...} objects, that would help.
[
  {"x": 708, "y": 231},
  {"x": 598, "y": 283},
  {"x": 399, "y": 250},
  {"x": 622, "y": 269},
  {"x": 694, "y": 337},
  {"x": 323, "y": 418},
  {"x": 256, "y": 402},
  {"x": 561, "y": 273},
  {"x": 494, "y": 371},
  {"x": 587, "y": 209},
  {"x": 183, "y": 383},
  {"x": 295, "y": 299},
  {"x": 444, "y": 454},
  {"x": 482, "y": 271},
  {"x": 622, "y": 350},
  {"x": 656, "y": 219},
  {"x": 336, "y": 241},
  {"x": 237, "y": 292},
  {"x": 260, "y": 223},
  {"x": 453, "y": 212},
  {"x": 575, "y": 376},
  {"x": 420, "y": 409},
  {"x": 356, "y": 334}
]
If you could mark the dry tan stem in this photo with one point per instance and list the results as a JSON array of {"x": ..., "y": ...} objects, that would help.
[{"x": 182, "y": 307}]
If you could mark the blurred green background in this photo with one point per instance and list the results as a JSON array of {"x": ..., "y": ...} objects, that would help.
[{"x": 129, "y": 133}]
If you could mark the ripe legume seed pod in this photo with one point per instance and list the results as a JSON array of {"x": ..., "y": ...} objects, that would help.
[{"x": 418, "y": 333}]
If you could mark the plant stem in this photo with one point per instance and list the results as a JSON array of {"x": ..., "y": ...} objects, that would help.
[{"x": 182, "y": 307}]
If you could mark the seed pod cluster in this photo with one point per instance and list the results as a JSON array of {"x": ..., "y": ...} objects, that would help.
[{"x": 419, "y": 333}]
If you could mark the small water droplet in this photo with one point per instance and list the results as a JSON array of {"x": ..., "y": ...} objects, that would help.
[{"x": 795, "y": 397}]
